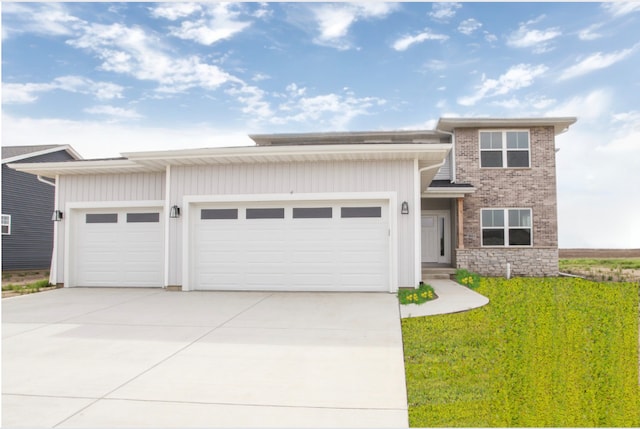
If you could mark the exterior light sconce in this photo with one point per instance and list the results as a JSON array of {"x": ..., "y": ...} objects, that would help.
[
  {"x": 174, "y": 213},
  {"x": 57, "y": 216},
  {"x": 404, "y": 208}
]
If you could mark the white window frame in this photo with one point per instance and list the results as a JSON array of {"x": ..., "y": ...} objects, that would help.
[
  {"x": 504, "y": 148},
  {"x": 6, "y": 221},
  {"x": 506, "y": 227}
]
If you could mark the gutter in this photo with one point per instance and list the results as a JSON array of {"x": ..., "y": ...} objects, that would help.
[{"x": 40, "y": 179}]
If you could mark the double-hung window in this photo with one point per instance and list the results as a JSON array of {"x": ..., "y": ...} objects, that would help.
[
  {"x": 504, "y": 149},
  {"x": 506, "y": 227},
  {"x": 6, "y": 224}
]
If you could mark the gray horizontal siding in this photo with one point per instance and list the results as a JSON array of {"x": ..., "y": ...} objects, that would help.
[{"x": 30, "y": 204}]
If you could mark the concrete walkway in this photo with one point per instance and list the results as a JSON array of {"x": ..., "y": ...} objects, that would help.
[{"x": 452, "y": 298}]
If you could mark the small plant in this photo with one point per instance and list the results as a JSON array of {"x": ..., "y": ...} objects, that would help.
[
  {"x": 421, "y": 295},
  {"x": 467, "y": 278},
  {"x": 28, "y": 288}
]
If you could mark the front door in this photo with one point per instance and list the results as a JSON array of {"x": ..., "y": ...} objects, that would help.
[{"x": 435, "y": 237}]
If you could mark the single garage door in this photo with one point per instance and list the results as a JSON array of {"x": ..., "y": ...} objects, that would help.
[
  {"x": 311, "y": 246},
  {"x": 117, "y": 247}
]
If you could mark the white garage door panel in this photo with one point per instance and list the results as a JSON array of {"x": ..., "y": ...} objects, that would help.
[
  {"x": 125, "y": 254},
  {"x": 336, "y": 254}
]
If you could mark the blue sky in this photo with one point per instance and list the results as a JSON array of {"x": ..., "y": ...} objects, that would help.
[{"x": 114, "y": 77}]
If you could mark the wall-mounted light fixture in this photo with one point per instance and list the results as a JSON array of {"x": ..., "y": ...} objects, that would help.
[
  {"x": 57, "y": 216},
  {"x": 404, "y": 208},
  {"x": 174, "y": 212}
]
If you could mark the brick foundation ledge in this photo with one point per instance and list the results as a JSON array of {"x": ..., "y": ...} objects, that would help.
[{"x": 525, "y": 261}]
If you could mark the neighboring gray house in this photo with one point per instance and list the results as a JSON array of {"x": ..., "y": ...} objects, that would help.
[
  {"x": 27, "y": 206},
  {"x": 353, "y": 211}
]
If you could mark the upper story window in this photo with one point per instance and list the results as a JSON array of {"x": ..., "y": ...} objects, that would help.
[
  {"x": 506, "y": 227},
  {"x": 504, "y": 149},
  {"x": 6, "y": 224}
]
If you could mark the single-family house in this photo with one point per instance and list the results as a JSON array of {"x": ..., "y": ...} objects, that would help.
[
  {"x": 341, "y": 211},
  {"x": 27, "y": 203}
]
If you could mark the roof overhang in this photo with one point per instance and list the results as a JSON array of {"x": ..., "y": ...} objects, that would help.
[
  {"x": 560, "y": 124},
  {"x": 67, "y": 148},
  {"x": 138, "y": 162},
  {"x": 53, "y": 169},
  {"x": 448, "y": 192},
  {"x": 353, "y": 137}
]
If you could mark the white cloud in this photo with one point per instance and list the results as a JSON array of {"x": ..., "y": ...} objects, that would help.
[
  {"x": 95, "y": 139},
  {"x": 334, "y": 20},
  {"x": 596, "y": 61},
  {"x": 114, "y": 112},
  {"x": 133, "y": 52},
  {"x": 469, "y": 26},
  {"x": 41, "y": 18},
  {"x": 591, "y": 106},
  {"x": 627, "y": 135},
  {"x": 620, "y": 8},
  {"x": 218, "y": 22},
  {"x": 444, "y": 11},
  {"x": 254, "y": 102},
  {"x": 597, "y": 172},
  {"x": 490, "y": 37},
  {"x": 403, "y": 43},
  {"x": 539, "y": 40},
  {"x": 528, "y": 105},
  {"x": 517, "y": 77},
  {"x": 173, "y": 11},
  {"x": 22, "y": 93},
  {"x": 590, "y": 33},
  {"x": 332, "y": 111}
]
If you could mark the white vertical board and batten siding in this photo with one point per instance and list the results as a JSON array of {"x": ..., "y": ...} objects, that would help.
[
  {"x": 104, "y": 187},
  {"x": 297, "y": 177}
]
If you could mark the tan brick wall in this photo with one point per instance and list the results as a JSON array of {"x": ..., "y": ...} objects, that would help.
[{"x": 533, "y": 187}]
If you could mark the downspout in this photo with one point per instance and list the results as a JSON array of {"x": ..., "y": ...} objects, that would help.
[
  {"x": 53, "y": 272},
  {"x": 453, "y": 154}
]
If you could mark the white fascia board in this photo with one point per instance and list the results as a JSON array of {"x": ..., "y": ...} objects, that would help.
[
  {"x": 66, "y": 148},
  {"x": 51, "y": 169},
  {"x": 292, "y": 151},
  {"x": 447, "y": 192},
  {"x": 560, "y": 124}
]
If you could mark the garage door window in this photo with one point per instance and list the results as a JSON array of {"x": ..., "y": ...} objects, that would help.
[
  {"x": 102, "y": 218},
  {"x": 312, "y": 213},
  {"x": 361, "y": 212},
  {"x": 265, "y": 213},
  {"x": 206, "y": 214},
  {"x": 143, "y": 217}
]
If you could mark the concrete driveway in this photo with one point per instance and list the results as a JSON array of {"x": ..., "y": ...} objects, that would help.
[{"x": 152, "y": 358}]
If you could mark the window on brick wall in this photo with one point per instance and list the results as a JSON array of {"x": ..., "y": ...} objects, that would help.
[
  {"x": 504, "y": 149},
  {"x": 506, "y": 227}
]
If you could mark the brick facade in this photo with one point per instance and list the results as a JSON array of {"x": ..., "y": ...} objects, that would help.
[{"x": 533, "y": 187}]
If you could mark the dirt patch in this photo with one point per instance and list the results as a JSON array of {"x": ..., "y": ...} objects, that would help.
[
  {"x": 23, "y": 277},
  {"x": 598, "y": 253}
]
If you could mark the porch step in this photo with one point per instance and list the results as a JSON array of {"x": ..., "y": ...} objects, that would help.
[{"x": 437, "y": 273}]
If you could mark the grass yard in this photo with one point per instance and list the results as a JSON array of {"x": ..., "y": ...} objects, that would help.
[{"x": 544, "y": 352}]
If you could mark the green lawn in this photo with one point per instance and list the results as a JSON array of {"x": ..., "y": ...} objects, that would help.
[{"x": 544, "y": 352}]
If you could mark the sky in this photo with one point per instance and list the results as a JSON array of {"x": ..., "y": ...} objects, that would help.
[{"x": 108, "y": 78}]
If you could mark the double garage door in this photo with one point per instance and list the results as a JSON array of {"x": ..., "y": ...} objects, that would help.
[
  {"x": 310, "y": 246},
  {"x": 321, "y": 246}
]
